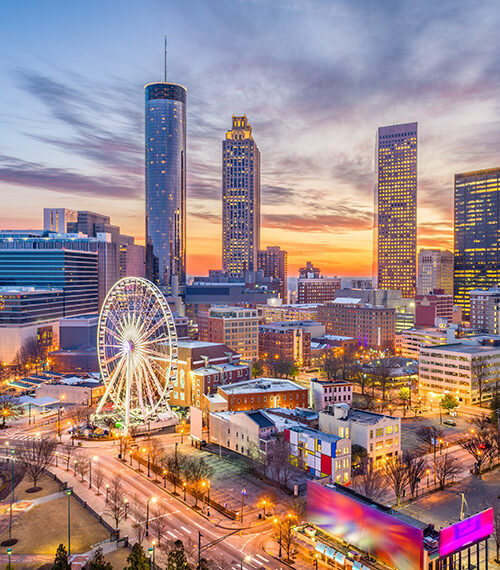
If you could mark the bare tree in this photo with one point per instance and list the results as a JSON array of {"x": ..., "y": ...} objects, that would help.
[
  {"x": 196, "y": 470},
  {"x": 116, "y": 506},
  {"x": 481, "y": 446},
  {"x": 35, "y": 457},
  {"x": 496, "y": 523},
  {"x": 174, "y": 463},
  {"x": 396, "y": 472},
  {"x": 331, "y": 364},
  {"x": 446, "y": 468},
  {"x": 381, "y": 374},
  {"x": 278, "y": 459},
  {"x": 98, "y": 478},
  {"x": 31, "y": 355},
  {"x": 137, "y": 513},
  {"x": 284, "y": 533},
  {"x": 416, "y": 469},
  {"x": 480, "y": 371},
  {"x": 429, "y": 435},
  {"x": 358, "y": 375},
  {"x": 372, "y": 483},
  {"x": 158, "y": 523},
  {"x": 67, "y": 452},
  {"x": 9, "y": 408},
  {"x": 82, "y": 465},
  {"x": 77, "y": 415},
  {"x": 156, "y": 450}
]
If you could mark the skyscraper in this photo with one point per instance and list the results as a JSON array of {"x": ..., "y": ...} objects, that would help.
[
  {"x": 477, "y": 227},
  {"x": 240, "y": 199},
  {"x": 435, "y": 271},
  {"x": 273, "y": 262},
  {"x": 166, "y": 184},
  {"x": 395, "y": 238}
]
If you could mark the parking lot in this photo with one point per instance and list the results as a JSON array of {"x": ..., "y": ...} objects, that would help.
[{"x": 409, "y": 427}]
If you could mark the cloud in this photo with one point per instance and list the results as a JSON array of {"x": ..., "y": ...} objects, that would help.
[
  {"x": 19, "y": 172},
  {"x": 329, "y": 223}
]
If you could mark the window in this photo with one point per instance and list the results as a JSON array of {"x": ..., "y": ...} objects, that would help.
[
  {"x": 371, "y": 434},
  {"x": 341, "y": 432},
  {"x": 379, "y": 432},
  {"x": 388, "y": 430}
]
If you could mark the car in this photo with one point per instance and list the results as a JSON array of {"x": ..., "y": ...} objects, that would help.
[
  {"x": 450, "y": 422},
  {"x": 453, "y": 413}
]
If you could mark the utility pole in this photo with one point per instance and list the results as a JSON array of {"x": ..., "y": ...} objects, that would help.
[{"x": 199, "y": 548}]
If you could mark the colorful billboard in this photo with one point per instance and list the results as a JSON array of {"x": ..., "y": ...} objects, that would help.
[
  {"x": 373, "y": 531},
  {"x": 465, "y": 532}
]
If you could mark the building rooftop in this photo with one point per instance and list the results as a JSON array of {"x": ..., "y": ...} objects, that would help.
[
  {"x": 360, "y": 416},
  {"x": 346, "y": 301},
  {"x": 470, "y": 349},
  {"x": 290, "y": 325},
  {"x": 261, "y": 385},
  {"x": 316, "y": 433},
  {"x": 260, "y": 419}
]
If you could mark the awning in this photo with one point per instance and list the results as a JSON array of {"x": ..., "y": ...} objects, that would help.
[
  {"x": 356, "y": 566},
  {"x": 329, "y": 552},
  {"x": 340, "y": 558},
  {"x": 320, "y": 547}
]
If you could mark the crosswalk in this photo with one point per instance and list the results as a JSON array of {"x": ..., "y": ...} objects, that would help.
[{"x": 252, "y": 562}]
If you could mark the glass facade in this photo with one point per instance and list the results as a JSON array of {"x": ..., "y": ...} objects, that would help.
[
  {"x": 395, "y": 239},
  {"x": 21, "y": 307},
  {"x": 73, "y": 272},
  {"x": 240, "y": 199},
  {"x": 165, "y": 138},
  {"x": 477, "y": 230}
]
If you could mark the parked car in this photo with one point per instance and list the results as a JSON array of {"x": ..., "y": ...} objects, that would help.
[{"x": 450, "y": 422}]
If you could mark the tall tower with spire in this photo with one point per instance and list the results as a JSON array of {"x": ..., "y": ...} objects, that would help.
[{"x": 165, "y": 146}]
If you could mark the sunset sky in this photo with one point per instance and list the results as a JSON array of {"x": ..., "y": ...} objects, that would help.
[{"x": 314, "y": 77}]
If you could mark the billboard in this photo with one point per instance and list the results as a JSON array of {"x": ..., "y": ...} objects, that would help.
[
  {"x": 465, "y": 532},
  {"x": 196, "y": 423},
  {"x": 387, "y": 538}
]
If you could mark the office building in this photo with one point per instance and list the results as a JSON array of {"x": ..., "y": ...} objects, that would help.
[
  {"x": 274, "y": 312},
  {"x": 77, "y": 352},
  {"x": 289, "y": 339},
  {"x": 379, "y": 434},
  {"x": 371, "y": 326},
  {"x": 58, "y": 220},
  {"x": 395, "y": 237},
  {"x": 132, "y": 258},
  {"x": 324, "y": 393},
  {"x": 409, "y": 342},
  {"x": 461, "y": 369},
  {"x": 240, "y": 199},
  {"x": 28, "y": 314},
  {"x": 477, "y": 226},
  {"x": 312, "y": 290},
  {"x": 485, "y": 310},
  {"x": 273, "y": 262},
  {"x": 433, "y": 307},
  {"x": 165, "y": 137},
  {"x": 235, "y": 326},
  {"x": 309, "y": 271},
  {"x": 435, "y": 271}
]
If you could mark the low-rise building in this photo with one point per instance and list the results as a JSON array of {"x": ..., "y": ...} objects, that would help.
[
  {"x": 289, "y": 339},
  {"x": 83, "y": 391},
  {"x": 264, "y": 393},
  {"x": 324, "y": 393},
  {"x": 371, "y": 326},
  {"x": 236, "y": 327},
  {"x": 379, "y": 434},
  {"x": 320, "y": 454},
  {"x": 409, "y": 342},
  {"x": 433, "y": 307},
  {"x": 274, "y": 312},
  {"x": 465, "y": 370},
  {"x": 485, "y": 310}
]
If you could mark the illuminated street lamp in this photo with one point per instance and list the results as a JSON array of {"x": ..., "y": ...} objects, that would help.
[
  {"x": 164, "y": 478},
  {"x": 245, "y": 559},
  {"x": 427, "y": 471},
  {"x": 147, "y": 513},
  {"x": 184, "y": 484},
  {"x": 277, "y": 521},
  {"x": 107, "y": 492}
]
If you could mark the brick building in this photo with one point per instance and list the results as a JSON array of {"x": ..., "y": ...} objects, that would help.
[
  {"x": 273, "y": 262},
  {"x": 435, "y": 305}
]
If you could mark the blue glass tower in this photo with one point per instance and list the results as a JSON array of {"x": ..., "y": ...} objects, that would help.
[{"x": 165, "y": 134}]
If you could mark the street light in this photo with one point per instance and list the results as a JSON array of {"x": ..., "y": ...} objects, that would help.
[
  {"x": 125, "y": 500},
  {"x": 68, "y": 492},
  {"x": 107, "y": 492},
  {"x": 316, "y": 561},
  {"x": 74, "y": 467},
  {"x": 147, "y": 513},
  {"x": 9, "y": 553},
  {"x": 182, "y": 435},
  {"x": 57, "y": 458},
  {"x": 243, "y": 495},
  {"x": 95, "y": 458},
  {"x": 427, "y": 471},
  {"x": 164, "y": 479},
  {"x": 277, "y": 521},
  {"x": 245, "y": 559},
  {"x": 154, "y": 551}
]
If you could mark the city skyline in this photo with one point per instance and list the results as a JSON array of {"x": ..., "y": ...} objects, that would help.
[{"x": 77, "y": 114}]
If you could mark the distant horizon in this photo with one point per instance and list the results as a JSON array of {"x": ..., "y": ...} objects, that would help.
[{"x": 315, "y": 89}]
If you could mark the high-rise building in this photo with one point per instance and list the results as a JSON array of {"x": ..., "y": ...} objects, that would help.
[
  {"x": 395, "y": 236},
  {"x": 240, "y": 199},
  {"x": 477, "y": 226},
  {"x": 165, "y": 136},
  {"x": 485, "y": 310},
  {"x": 131, "y": 258},
  {"x": 312, "y": 290},
  {"x": 273, "y": 262},
  {"x": 435, "y": 271},
  {"x": 58, "y": 219}
]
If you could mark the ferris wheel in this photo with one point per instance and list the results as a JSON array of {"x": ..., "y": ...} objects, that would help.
[{"x": 137, "y": 350}]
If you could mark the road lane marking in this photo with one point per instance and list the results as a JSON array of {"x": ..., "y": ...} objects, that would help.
[
  {"x": 262, "y": 557},
  {"x": 171, "y": 534},
  {"x": 185, "y": 529}
]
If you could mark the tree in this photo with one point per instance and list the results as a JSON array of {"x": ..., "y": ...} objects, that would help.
[
  {"x": 396, "y": 472},
  {"x": 82, "y": 465},
  {"x": 278, "y": 459},
  {"x": 176, "y": 559},
  {"x": 404, "y": 396},
  {"x": 284, "y": 532},
  {"x": 359, "y": 455},
  {"x": 331, "y": 364},
  {"x": 9, "y": 408},
  {"x": 257, "y": 368},
  {"x": 429, "y": 435},
  {"x": 381, "y": 374},
  {"x": 416, "y": 469},
  {"x": 481, "y": 446},
  {"x": 446, "y": 468},
  {"x": 357, "y": 374},
  {"x": 175, "y": 463},
  {"x": 495, "y": 408},
  {"x": 371, "y": 483},
  {"x": 480, "y": 371},
  {"x": 156, "y": 450},
  {"x": 137, "y": 559},
  {"x": 77, "y": 415},
  {"x": 448, "y": 402},
  {"x": 98, "y": 478},
  {"x": 97, "y": 561},
  {"x": 67, "y": 452},
  {"x": 31, "y": 355},
  {"x": 196, "y": 470},
  {"x": 286, "y": 367},
  {"x": 35, "y": 457},
  {"x": 496, "y": 526},
  {"x": 158, "y": 523},
  {"x": 61, "y": 561},
  {"x": 137, "y": 511},
  {"x": 116, "y": 506}
]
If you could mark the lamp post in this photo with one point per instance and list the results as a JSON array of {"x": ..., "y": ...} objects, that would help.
[
  {"x": 12, "y": 495},
  {"x": 125, "y": 500},
  {"x": 107, "y": 492},
  {"x": 9, "y": 554},
  {"x": 154, "y": 551},
  {"x": 164, "y": 479},
  {"x": 440, "y": 413},
  {"x": 316, "y": 561},
  {"x": 57, "y": 458},
  {"x": 245, "y": 559},
  {"x": 90, "y": 470},
  {"x": 184, "y": 485},
  {"x": 74, "y": 466},
  {"x": 147, "y": 513},
  {"x": 277, "y": 521},
  {"x": 150, "y": 552},
  {"x": 68, "y": 492},
  {"x": 130, "y": 454},
  {"x": 182, "y": 435},
  {"x": 427, "y": 471},
  {"x": 243, "y": 495}
]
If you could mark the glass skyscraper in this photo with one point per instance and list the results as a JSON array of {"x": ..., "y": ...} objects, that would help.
[
  {"x": 165, "y": 134},
  {"x": 240, "y": 199},
  {"x": 395, "y": 238},
  {"x": 477, "y": 231}
]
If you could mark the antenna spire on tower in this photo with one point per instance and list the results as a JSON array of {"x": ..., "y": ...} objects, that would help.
[{"x": 165, "y": 53}]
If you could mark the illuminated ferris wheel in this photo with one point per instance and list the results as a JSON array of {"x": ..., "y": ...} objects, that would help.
[{"x": 137, "y": 350}]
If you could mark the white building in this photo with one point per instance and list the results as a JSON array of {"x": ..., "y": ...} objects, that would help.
[
  {"x": 435, "y": 271},
  {"x": 324, "y": 393},
  {"x": 458, "y": 369},
  {"x": 409, "y": 342},
  {"x": 379, "y": 434}
]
